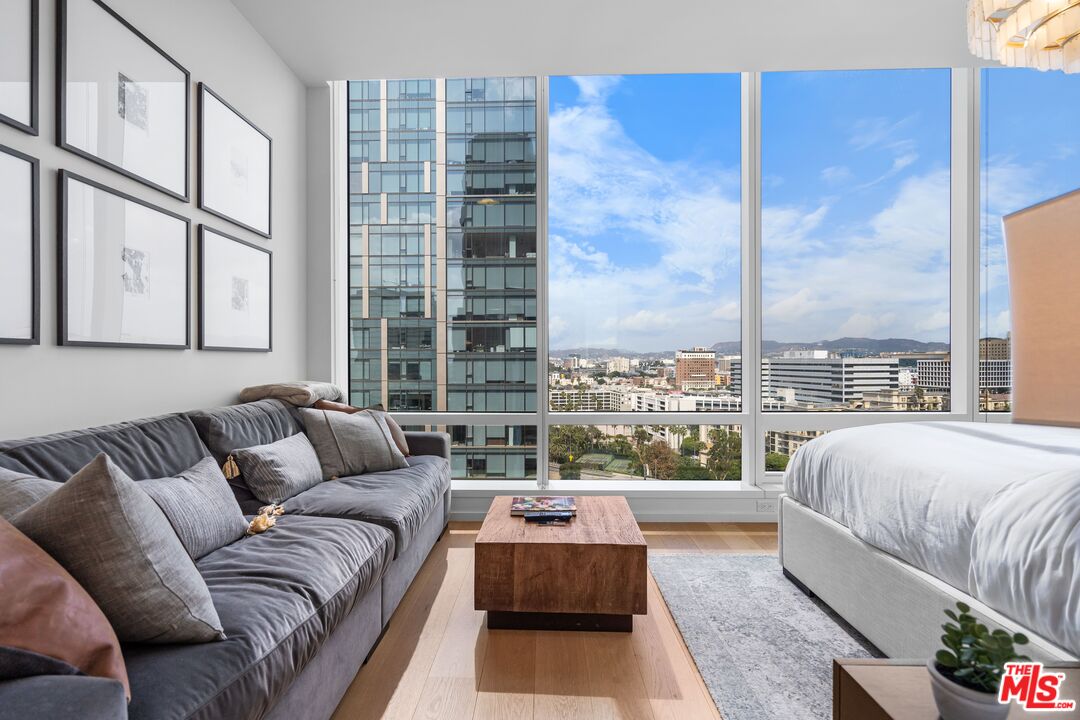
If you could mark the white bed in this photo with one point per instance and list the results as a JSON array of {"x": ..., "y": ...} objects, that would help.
[{"x": 891, "y": 523}]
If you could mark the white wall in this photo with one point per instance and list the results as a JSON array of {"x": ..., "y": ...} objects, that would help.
[
  {"x": 47, "y": 388},
  {"x": 320, "y": 260}
]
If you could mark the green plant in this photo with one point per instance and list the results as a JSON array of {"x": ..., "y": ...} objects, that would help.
[
  {"x": 570, "y": 471},
  {"x": 974, "y": 656}
]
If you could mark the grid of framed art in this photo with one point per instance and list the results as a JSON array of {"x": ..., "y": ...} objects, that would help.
[{"x": 124, "y": 263}]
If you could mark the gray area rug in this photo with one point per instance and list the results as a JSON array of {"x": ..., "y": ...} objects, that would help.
[{"x": 764, "y": 648}]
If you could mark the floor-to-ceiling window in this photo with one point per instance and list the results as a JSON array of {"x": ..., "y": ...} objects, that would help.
[
  {"x": 644, "y": 248},
  {"x": 571, "y": 275},
  {"x": 442, "y": 259},
  {"x": 1030, "y": 153}
]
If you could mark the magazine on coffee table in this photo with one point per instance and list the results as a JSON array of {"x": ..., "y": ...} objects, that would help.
[{"x": 543, "y": 504}]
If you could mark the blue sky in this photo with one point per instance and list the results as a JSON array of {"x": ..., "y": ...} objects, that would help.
[
  {"x": 1031, "y": 151},
  {"x": 644, "y": 202}
]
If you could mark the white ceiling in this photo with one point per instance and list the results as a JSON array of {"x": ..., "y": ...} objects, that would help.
[{"x": 355, "y": 39}]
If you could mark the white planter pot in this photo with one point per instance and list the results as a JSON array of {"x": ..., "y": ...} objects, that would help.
[{"x": 956, "y": 702}]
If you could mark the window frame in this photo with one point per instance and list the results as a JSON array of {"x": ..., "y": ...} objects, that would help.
[{"x": 964, "y": 273}]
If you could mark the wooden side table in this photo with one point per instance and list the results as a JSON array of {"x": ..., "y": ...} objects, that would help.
[{"x": 900, "y": 690}]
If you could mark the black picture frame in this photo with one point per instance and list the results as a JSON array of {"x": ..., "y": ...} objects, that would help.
[
  {"x": 203, "y": 229},
  {"x": 62, "y": 266},
  {"x": 61, "y": 101},
  {"x": 35, "y": 249},
  {"x": 32, "y": 128},
  {"x": 204, "y": 205}
]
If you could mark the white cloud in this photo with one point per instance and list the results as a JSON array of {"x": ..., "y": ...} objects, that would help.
[
  {"x": 836, "y": 174},
  {"x": 868, "y": 132},
  {"x": 859, "y": 325},
  {"x": 671, "y": 240},
  {"x": 884, "y": 278},
  {"x": 645, "y": 321},
  {"x": 666, "y": 274},
  {"x": 1000, "y": 324},
  {"x": 794, "y": 307},
  {"x": 727, "y": 311},
  {"x": 595, "y": 88},
  {"x": 936, "y": 321}
]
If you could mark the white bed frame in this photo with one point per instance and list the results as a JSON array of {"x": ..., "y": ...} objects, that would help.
[{"x": 896, "y": 606}]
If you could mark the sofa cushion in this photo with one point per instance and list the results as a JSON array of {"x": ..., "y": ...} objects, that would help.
[
  {"x": 47, "y": 620},
  {"x": 226, "y": 429},
  {"x": 351, "y": 443},
  {"x": 395, "y": 430},
  {"x": 229, "y": 428},
  {"x": 19, "y": 491},
  {"x": 279, "y": 595},
  {"x": 279, "y": 470},
  {"x": 63, "y": 696},
  {"x": 399, "y": 500},
  {"x": 149, "y": 448},
  {"x": 112, "y": 538},
  {"x": 200, "y": 506}
]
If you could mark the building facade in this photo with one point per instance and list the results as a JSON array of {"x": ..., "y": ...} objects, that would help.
[
  {"x": 695, "y": 369},
  {"x": 992, "y": 348},
  {"x": 994, "y": 375},
  {"x": 442, "y": 244},
  {"x": 823, "y": 382}
]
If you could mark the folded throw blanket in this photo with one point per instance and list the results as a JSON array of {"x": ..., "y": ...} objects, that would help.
[{"x": 302, "y": 394}]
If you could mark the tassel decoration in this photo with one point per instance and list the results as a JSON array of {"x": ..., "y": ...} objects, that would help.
[{"x": 230, "y": 469}]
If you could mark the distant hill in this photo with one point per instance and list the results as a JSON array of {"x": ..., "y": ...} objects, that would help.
[
  {"x": 869, "y": 346},
  {"x": 859, "y": 346}
]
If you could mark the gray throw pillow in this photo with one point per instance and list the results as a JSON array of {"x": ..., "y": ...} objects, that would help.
[
  {"x": 201, "y": 507},
  {"x": 279, "y": 470},
  {"x": 19, "y": 491},
  {"x": 111, "y": 536},
  {"x": 351, "y": 444}
]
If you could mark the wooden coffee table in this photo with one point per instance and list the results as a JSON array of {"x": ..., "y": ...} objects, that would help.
[{"x": 588, "y": 575}]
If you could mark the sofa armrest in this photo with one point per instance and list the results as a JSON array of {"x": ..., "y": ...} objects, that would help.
[
  {"x": 428, "y": 443},
  {"x": 63, "y": 696}
]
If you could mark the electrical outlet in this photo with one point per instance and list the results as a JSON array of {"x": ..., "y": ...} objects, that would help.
[{"x": 766, "y": 506}]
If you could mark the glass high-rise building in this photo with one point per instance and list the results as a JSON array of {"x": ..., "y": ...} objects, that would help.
[{"x": 442, "y": 282}]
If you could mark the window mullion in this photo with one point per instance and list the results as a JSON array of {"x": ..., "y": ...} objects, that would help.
[
  {"x": 542, "y": 431},
  {"x": 964, "y": 275},
  {"x": 753, "y": 463}
]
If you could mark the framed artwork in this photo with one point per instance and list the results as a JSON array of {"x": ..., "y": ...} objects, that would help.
[
  {"x": 19, "y": 64},
  {"x": 235, "y": 291},
  {"x": 20, "y": 260},
  {"x": 125, "y": 270},
  {"x": 123, "y": 102},
  {"x": 234, "y": 165}
]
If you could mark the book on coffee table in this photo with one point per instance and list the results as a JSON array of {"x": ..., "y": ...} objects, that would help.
[{"x": 543, "y": 504}]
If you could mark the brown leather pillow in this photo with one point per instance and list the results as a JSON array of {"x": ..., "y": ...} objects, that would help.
[
  {"x": 43, "y": 610},
  {"x": 395, "y": 430}
]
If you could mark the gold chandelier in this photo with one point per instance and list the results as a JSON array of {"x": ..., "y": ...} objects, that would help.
[{"x": 1042, "y": 34}]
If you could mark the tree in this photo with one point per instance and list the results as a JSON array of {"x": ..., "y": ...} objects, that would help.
[
  {"x": 567, "y": 441},
  {"x": 640, "y": 439},
  {"x": 724, "y": 457},
  {"x": 660, "y": 460},
  {"x": 776, "y": 462},
  {"x": 570, "y": 471},
  {"x": 690, "y": 469},
  {"x": 691, "y": 446}
]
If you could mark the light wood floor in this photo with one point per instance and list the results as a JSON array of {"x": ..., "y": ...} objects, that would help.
[{"x": 438, "y": 661}]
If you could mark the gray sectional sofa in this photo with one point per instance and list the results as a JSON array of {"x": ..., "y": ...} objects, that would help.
[{"x": 302, "y": 605}]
